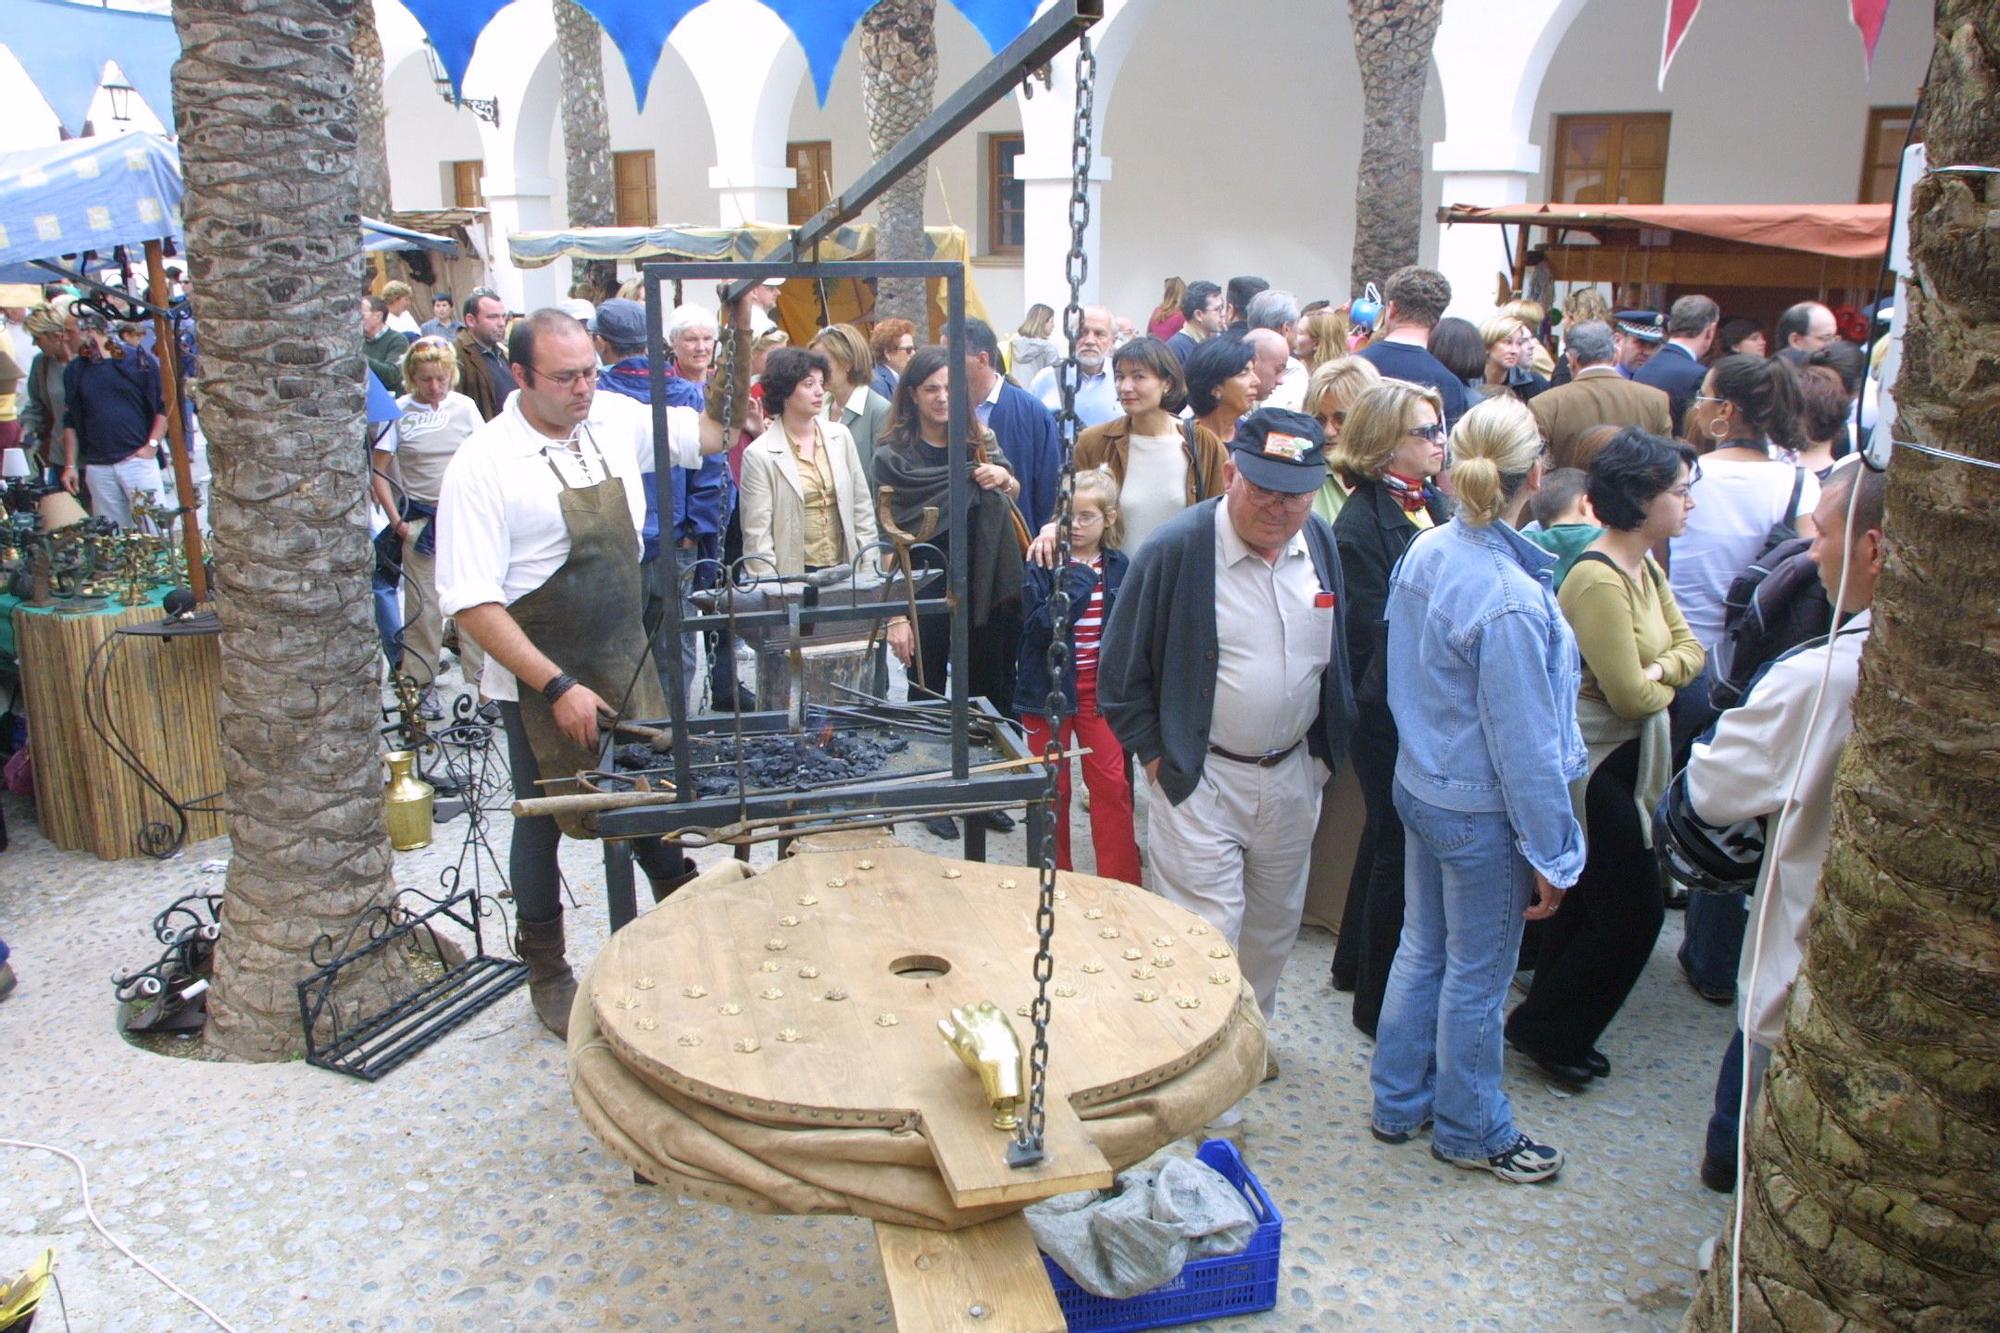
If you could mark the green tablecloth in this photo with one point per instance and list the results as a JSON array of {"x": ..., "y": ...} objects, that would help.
[{"x": 9, "y": 603}]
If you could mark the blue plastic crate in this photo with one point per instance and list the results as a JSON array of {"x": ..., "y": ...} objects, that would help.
[{"x": 1228, "y": 1284}]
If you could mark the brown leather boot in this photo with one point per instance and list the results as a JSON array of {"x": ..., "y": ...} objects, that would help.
[
  {"x": 551, "y": 985},
  {"x": 665, "y": 886}
]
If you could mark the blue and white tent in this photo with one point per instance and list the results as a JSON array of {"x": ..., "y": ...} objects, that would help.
[{"x": 85, "y": 197}]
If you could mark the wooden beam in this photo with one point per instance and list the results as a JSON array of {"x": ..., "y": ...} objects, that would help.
[
  {"x": 984, "y": 1279},
  {"x": 1709, "y": 268}
]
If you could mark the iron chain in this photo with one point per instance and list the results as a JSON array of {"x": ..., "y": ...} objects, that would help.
[{"x": 1077, "y": 268}]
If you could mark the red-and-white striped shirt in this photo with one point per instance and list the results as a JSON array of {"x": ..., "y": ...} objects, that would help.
[{"x": 1090, "y": 622}]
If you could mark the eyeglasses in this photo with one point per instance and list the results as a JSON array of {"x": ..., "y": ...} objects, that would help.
[
  {"x": 563, "y": 379},
  {"x": 1704, "y": 398},
  {"x": 1434, "y": 432},
  {"x": 1257, "y": 495}
]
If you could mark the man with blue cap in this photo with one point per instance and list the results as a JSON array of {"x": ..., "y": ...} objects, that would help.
[{"x": 1223, "y": 671}]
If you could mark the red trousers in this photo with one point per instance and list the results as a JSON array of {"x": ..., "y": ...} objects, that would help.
[{"x": 1104, "y": 773}]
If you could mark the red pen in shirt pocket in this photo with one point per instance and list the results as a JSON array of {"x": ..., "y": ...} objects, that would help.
[{"x": 1323, "y": 601}]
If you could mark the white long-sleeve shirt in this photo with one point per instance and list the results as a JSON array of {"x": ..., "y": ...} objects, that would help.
[
  {"x": 500, "y": 530},
  {"x": 1746, "y": 771}
]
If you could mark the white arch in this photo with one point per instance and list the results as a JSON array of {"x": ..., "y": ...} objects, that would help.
[
  {"x": 748, "y": 67},
  {"x": 1491, "y": 60}
]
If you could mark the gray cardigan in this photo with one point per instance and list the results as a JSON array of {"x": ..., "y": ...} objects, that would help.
[{"x": 1156, "y": 665}]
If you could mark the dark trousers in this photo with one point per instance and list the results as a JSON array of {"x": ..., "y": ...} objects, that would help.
[
  {"x": 993, "y": 650},
  {"x": 1597, "y": 944},
  {"x": 1726, "y": 1117},
  {"x": 1347, "y": 947},
  {"x": 1380, "y": 922},
  {"x": 531, "y": 856}
]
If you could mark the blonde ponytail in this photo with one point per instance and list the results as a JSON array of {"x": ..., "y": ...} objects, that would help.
[{"x": 1493, "y": 449}]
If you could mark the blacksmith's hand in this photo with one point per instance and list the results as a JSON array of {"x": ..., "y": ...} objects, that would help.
[
  {"x": 1547, "y": 899},
  {"x": 576, "y": 713}
]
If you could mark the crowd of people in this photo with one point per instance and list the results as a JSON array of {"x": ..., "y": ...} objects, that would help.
[{"x": 1561, "y": 585}]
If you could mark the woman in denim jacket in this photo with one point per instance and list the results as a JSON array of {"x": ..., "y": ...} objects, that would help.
[{"x": 1483, "y": 675}]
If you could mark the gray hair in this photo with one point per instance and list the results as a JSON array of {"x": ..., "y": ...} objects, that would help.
[
  {"x": 1592, "y": 343},
  {"x": 1272, "y": 309},
  {"x": 687, "y": 317},
  {"x": 1690, "y": 315}
]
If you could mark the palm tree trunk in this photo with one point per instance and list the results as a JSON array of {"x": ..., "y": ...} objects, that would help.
[
  {"x": 898, "y": 83},
  {"x": 264, "y": 105},
  {"x": 1392, "y": 42},
  {"x": 586, "y": 139},
  {"x": 371, "y": 122},
  {"x": 1872, "y": 1197}
]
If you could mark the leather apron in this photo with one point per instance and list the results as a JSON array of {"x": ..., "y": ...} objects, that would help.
[{"x": 588, "y": 619}]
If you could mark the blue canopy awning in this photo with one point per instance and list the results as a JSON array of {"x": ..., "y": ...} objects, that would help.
[
  {"x": 64, "y": 47},
  {"x": 84, "y": 197}
]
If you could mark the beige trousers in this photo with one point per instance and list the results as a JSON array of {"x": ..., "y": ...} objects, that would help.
[{"x": 423, "y": 623}]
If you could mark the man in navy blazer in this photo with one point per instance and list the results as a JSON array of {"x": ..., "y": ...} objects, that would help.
[
  {"x": 1677, "y": 368},
  {"x": 1026, "y": 430}
]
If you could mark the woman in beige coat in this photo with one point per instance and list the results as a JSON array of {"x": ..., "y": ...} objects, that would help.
[{"x": 806, "y": 499}]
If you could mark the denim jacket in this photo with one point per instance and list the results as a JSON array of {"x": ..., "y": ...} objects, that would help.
[
  {"x": 1038, "y": 586},
  {"x": 1483, "y": 679}
]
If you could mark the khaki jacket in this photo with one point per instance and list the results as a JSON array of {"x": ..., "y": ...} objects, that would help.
[
  {"x": 774, "y": 498},
  {"x": 1598, "y": 396}
]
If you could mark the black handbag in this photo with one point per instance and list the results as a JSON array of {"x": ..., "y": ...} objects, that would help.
[{"x": 1701, "y": 855}]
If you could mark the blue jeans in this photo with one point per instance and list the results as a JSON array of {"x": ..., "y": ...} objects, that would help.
[
  {"x": 1722, "y": 1122},
  {"x": 389, "y": 622},
  {"x": 1438, "y": 1045},
  {"x": 1714, "y": 943}
]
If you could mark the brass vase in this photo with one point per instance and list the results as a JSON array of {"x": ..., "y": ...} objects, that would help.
[{"x": 409, "y": 801}]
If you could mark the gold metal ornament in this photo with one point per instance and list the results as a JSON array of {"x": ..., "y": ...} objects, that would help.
[
  {"x": 746, "y": 1045},
  {"x": 1065, "y": 992},
  {"x": 1091, "y": 968},
  {"x": 1219, "y": 979},
  {"x": 770, "y": 965},
  {"x": 837, "y": 882},
  {"x": 788, "y": 920},
  {"x": 776, "y": 945},
  {"x": 808, "y": 900},
  {"x": 790, "y": 1035},
  {"x": 729, "y": 1010},
  {"x": 1187, "y": 1001},
  {"x": 953, "y": 872},
  {"x": 1009, "y": 884},
  {"x": 644, "y": 983},
  {"x": 694, "y": 992},
  {"x": 864, "y": 865},
  {"x": 1108, "y": 933},
  {"x": 985, "y": 1041},
  {"x": 1220, "y": 951},
  {"x": 1197, "y": 929},
  {"x": 886, "y": 1020},
  {"x": 410, "y": 803},
  {"x": 808, "y": 972},
  {"x": 646, "y": 1024},
  {"x": 1133, "y": 955},
  {"x": 1142, "y": 973},
  {"x": 1146, "y": 996},
  {"x": 1163, "y": 960},
  {"x": 836, "y": 994},
  {"x": 689, "y": 1039},
  {"x": 1093, "y": 914},
  {"x": 770, "y": 993},
  {"x": 1163, "y": 941},
  {"x": 627, "y": 1002}
]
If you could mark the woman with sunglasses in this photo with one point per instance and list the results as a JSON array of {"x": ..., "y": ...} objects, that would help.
[
  {"x": 1391, "y": 445},
  {"x": 1637, "y": 650}
]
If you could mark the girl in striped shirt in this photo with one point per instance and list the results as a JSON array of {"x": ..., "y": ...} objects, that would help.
[{"x": 1096, "y": 569}]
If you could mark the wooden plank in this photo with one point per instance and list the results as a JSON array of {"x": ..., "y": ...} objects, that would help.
[
  {"x": 988, "y": 1278},
  {"x": 1714, "y": 268}
]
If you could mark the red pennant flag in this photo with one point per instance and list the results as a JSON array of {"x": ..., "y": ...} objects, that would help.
[
  {"x": 1869, "y": 16},
  {"x": 1680, "y": 13}
]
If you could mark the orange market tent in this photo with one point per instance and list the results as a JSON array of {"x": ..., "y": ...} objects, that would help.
[{"x": 1823, "y": 248}]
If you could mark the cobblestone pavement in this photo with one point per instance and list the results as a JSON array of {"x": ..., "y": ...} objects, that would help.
[{"x": 463, "y": 1192}]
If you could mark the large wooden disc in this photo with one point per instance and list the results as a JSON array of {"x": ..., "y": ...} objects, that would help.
[{"x": 810, "y": 994}]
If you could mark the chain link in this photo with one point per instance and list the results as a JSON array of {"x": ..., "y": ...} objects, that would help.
[{"x": 1028, "y": 1146}]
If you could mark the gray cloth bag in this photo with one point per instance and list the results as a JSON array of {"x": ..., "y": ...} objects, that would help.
[{"x": 1139, "y": 1234}]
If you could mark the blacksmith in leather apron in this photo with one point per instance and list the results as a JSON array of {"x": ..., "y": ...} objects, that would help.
[{"x": 587, "y": 616}]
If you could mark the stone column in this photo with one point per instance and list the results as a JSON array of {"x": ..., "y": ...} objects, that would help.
[{"x": 1487, "y": 175}]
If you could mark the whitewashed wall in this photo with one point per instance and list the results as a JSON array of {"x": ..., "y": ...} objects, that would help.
[{"x": 1768, "y": 100}]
